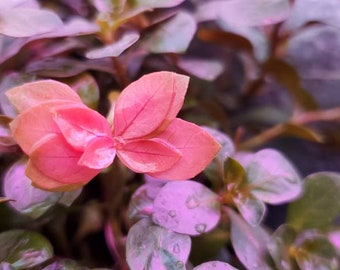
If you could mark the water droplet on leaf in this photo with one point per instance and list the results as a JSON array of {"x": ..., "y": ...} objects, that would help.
[
  {"x": 180, "y": 264},
  {"x": 172, "y": 213},
  {"x": 192, "y": 202},
  {"x": 200, "y": 228}
]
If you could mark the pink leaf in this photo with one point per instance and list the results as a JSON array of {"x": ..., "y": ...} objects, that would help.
[
  {"x": 34, "y": 124},
  {"x": 41, "y": 181},
  {"x": 28, "y": 95},
  {"x": 196, "y": 146},
  {"x": 98, "y": 154},
  {"x": 57, "y": 160},
  {"x": 148, "y": 156},
  {"x": 148, "y": 103},
  {"x": 79, "y": 124}
]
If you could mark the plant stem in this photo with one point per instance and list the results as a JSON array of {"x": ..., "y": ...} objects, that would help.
[{"x": 121, "y": 72}]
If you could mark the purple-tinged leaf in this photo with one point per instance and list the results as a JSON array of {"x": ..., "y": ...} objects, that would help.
[
  {"x": 272, "y": 178},
  {"x": 6, "y": 138},
  {"x": 27, "y": 199},
  {"x": 149, "y": 246},
  {"x": 186, "y": 207},
  {"x": 249, "y": 243},
  {"x": 7, "y": 5},
  {"x": 116, "y": 48},
  {"x": 251, "y": 209},
  {"x": 141, "y": 202},
  {"x": 244, "y": 12},
  {"x": 171, "y": 36},
  {"x": 157, "y": 3},
  {"x": 26, "y": 22},
  {"x": 206, "y": 69},
  {"x": 214, "y": 265},
  {"x": 334, "y": 238}
]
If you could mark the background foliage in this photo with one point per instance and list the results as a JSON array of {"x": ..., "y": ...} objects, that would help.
[{"x": 264, "y": 82}]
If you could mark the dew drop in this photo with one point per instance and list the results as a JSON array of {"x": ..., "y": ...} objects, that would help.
[
  {"x": 172, "y": 213},
  {"x": 200, "y": 228},
  {"x": 192, "y": 202},
  {"x": 176, "y": 248},
  {"x": 180, "y": 264}
]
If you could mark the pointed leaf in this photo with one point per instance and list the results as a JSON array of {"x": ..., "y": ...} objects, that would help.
[
  {"x": 98, "y": 154},
  {"x": 26, "y": 22},
  {"x": 172, "y": 36},
  {"x": 196, "y": 146},
  {"x": 186, "y": 207},
  {"x": 38, "y": 120},
  {"x": 318, "y": 207},
  {"x": 148, "y": 156},
  {"x": 53, "y": 157},
  {"x": 79, "y": 124},
  {"x": 272, "y": 178},
  {"x": 214, "y": 265},
  {"x": 249, "y": 243},
  {"x": 28, "y": 95},
  {"x": 149, "y": 102},
  {"x": 149, "y": 246},
  {"x": 24, "y": 249},
  {"x": 116, "y": 48}
]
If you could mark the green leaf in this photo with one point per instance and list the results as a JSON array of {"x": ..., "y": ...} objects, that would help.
[
  {"x": 249, "y": 243},
  {"x": 302, "y": 132},
  {"x": 286, "y": 75},
  {"x": 171, "y": 36},
  {"x": 314, "y": 251},
  {"x": 23, "y": 249},
  {"x": 281, "y": 240},
  {"x": 26, "y": 22},
  {"x": 320, "y": 205},
  {"x": 149, "y": 246},
  {"x": 272, "y": 178},
  {"x": 234, "y": 173}
]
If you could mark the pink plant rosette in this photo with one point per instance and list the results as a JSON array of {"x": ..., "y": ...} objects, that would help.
[{"x": 68, "y": 143}]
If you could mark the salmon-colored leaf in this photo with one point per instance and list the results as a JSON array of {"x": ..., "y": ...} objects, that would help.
[
  {"x": 98, "y": 154},
  {"x": 31, "y": 94},
  {"x": 41, "y": 181},
  {"x": 34, "y": 124},
  {"x": 148, "y": 103},
  {"x": 148, "y": 156},
  {"x": 57, "y": 160},
  {"x": 79, "y": 124},
  {"x": 196, "y": 146}
]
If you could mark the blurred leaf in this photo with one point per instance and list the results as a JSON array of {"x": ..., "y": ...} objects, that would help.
[
  {"x": 26, "y": 22},
  {"x": 171, "y": 36},
  {"x": 272, "y": 178},
  {"x": 234, "y": 173},
  {"x": 304, "y": 11},
  {"x": 205, "y": 69},
  {"x": 24, "y": 249},
  {"x": 302, "y": 132},
  {"x": 116, "y": 48},
  {"x": 4, "y": 199},
  {"x": 208, "y": 245},
  {"x": 149, "y": 246},
  {"x": 251, "y": 209},
  {"x": 244, "y": 12},
  {"x": 287, "y": 76},
  {"x": 87, "y": 88},
  {"x": 27, "y": 199},
  {"x": 6, "y": 138},
  {"x": 334, "y": 238},
  {"x": 314, "y": 251},
  {"x": 186, "y": 207},
  {"x": 157, "y": 3},
  {"x": 319, "y": 205},
  {"x": 141, "y": 202},
  {"x": 214, "y": 265},
  {"x": 281, "y": 240},
  {"x": 229, "y": 39},
  {"x": 65, "y": 264},
  {"x": 249, "y": 243}
]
